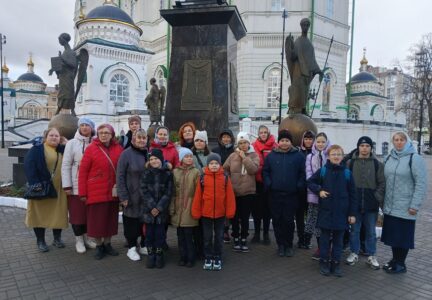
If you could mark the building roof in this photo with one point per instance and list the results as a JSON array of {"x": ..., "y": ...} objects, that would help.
[
  {"x": 363, "y": 77},
  {"x": 109, "y": 11},
  {"x": 30, "y": 77}
]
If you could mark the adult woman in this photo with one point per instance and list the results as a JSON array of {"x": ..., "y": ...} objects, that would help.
[
  {"x": 406, "y": 181},
  {"x": 242, "y": 165},
  {"x": 129, "y": 170},
  {"x": 186, "y": 135},
  {"x": 96, "y": 186},
  {"x": 134, "y": 123},
  {"x": 261, "y": 209},
  {"x": 72, "y": 156},
  {"x": 43, "y": 163},
  {"x": 200, "y": 150},
  {"x": 163, "y": 143}
]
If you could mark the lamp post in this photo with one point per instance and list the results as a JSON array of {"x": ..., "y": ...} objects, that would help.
[
  {"x": 2, "y": 41},
  {"x": 284, "y": 16}
]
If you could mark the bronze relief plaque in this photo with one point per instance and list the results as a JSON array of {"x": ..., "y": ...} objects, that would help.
[{"x": 197, "y": 85}]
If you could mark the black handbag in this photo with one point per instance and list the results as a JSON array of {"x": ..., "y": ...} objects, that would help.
[{"x": 43, "y": 189}]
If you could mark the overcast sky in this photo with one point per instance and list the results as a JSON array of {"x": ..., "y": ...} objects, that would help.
[{"x": 387, "y": 28}]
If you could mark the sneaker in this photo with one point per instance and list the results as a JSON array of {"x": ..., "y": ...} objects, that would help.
[
  {"x": 208, "y": 264},
  {"x": 79, "y": 244},
  {"x": 316, "y": 255},
  {"x": 289, "y": 252},
  {"x": 396, "y": 269},
  {"x": 89, "y": 242},
  {"x": 388, "y": 265},
  {"x": 243, "y": 246},
  {"x": 143, "y": 250},
  {"x": 133, "y": 254},
  {"x": 226, "y": 238},
  {"x": 236, "y": 246},
  {"x": 352, "y": 259},
  {"x": 217, "y": 265},
  {"x": 373, "y": 262},
  {"x": 324, "y": 267}
]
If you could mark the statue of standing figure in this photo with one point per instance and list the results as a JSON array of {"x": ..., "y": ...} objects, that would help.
[
  {"x": 155, "y": 101},
  {"x": 67, "y": 66},
  {"x": 302, "y": 68}
]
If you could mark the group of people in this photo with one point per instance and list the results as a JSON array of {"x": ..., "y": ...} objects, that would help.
[{"x": 209, "y": 194}]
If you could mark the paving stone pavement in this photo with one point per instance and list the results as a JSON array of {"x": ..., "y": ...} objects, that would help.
[{"x": 63, "y": 274}]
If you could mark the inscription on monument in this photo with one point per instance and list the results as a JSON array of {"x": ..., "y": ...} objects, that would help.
[{"x": 197, "y": 85}]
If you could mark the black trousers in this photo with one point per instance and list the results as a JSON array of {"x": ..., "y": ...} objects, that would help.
[
  {"x": 241, "y": 218},
  {"x": 300, "y": 215},
  {"x": 400, "y": 255},
  {"x": 40, "y": 233},
  {"x": 198, "y": 239},
  {"x": 213, "y": 237},
  {"x": 132, "y": 229},
  {"x": 261, "y": 210},
  {"x": 186, "y": 244},
  {"x": 155, "y": 235},
  {"x": 283, "y": 208}
]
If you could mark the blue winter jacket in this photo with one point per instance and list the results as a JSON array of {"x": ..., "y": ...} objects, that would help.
[
  {"x": 405, "y": 187},
  {"x": 284, "y": 171},
  {"x": 333, "y": 211}
]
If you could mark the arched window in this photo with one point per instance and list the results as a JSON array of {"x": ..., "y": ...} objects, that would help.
[
  {"x": 32, "y": 112},
  {"x": 326, "y": 92},
  {"x": 119, "y": 89},
  {"x": 273, "y": 88},
  {"x": 353, "y": 114},
  {"x": 378, "y": 113}
]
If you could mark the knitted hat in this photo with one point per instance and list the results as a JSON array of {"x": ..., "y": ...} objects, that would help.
[
  {"x": 365, "y": 140},
  {"x": 134, "y": 118},
  {"x": 156, "y": 153},
  {"x": 213, "y": 156},
  {"x": 285, "y": 134},
  {"x": 183, "y": 152},
  {"x": 243, "y": 136},
  {"x": 201, "y": 135},
  {"x": 87, "y": 121}
]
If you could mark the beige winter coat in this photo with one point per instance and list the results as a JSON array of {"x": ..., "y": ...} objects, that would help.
[{"x": 243, "y": 171}]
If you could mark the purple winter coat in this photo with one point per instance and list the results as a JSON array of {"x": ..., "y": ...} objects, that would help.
[{"x": 313, "y": 163}]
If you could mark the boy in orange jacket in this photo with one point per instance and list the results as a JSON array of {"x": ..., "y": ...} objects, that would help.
[{"x": 214, "y": 201}]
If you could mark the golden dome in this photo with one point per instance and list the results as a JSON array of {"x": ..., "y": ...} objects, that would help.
[
  {"x": 30, "y": 61},
  {"x": 364, "y": 61},
  {"x": 5, "y": 68}
]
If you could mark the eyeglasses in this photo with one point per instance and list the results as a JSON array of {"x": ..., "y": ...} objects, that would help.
[
  {"x": 336, "y": 154},
  {"x": 104, "y": 133}
]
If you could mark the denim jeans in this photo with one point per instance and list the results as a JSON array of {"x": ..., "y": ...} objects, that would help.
[
  {"x": 213, "y": 228},
  {"x": 368, "y": 219}
]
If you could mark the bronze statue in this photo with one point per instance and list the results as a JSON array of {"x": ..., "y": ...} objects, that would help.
[
  {"x": 67, "y": 66},
  {"x": 155, "y": 101},
  {"x": 302, "y": 67}
]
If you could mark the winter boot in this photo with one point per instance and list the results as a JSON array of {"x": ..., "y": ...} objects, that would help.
[
  {"x": 57, "y": 239},
  {"x": 42, "y": 246},
  {"x": 160, "y": 263},
  {"x": 100, "y": 252},
  {"x": 324, "y": 267},
  {"x": 151, "y": 258},
  {"x": 335, "y": 269},
  {"x": 110, "y": 250}
]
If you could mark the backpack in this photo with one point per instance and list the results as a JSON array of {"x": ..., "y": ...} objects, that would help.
[
  {"x": 323, "y": 171},
  {"x": 409, "y": 164},
  {"x": 202, "y": 180}
]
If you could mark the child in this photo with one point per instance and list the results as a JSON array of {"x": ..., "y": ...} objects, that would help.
[
  {"x": 156, "y": 189},
  {"x": 200, "y": 150},
  {"x": 214, "y": 200},
  {"x": 284, "y": 177},
  {"x": 185, "y": 179},
  {"x": 314, "y": 161},
  {"x": 337, "y": 207}
]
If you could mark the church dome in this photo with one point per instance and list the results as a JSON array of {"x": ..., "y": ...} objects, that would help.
[
  {"x": 111, "y": 12},
  {"x": 30, "y": 77},
  {"x": 363, "y": 77}
]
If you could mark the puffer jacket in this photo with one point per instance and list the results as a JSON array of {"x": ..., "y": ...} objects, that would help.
[
  {"x": 243, "y": 172},
  {"x": 314, "y": 161},
  {"x": 156, "y": 189},
  {"x": 96, "y": 176},
  {"x": 169, "y": 152},
  {"x": 72, "y": 156},
  {"x": 215, "y": 198},
  {"x": 129, "y": 170},
  {"x": 334, "y": 210},
  {"x": 185, "y": 181},
  {"x": 221, "y": 149},
  {"x": 263, "y": 149},
  {"x": 370, "y": 183},
  {"x": 405, "y": 187},
  {"x": 284, "y": 171}
]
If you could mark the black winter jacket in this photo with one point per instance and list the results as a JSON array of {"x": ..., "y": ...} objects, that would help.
[
  {"x": 221, "y": 149},
  {"x": 156, "y": 189}
]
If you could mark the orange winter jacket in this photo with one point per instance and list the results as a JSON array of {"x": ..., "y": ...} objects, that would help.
[{"x": 214, "y": 197}]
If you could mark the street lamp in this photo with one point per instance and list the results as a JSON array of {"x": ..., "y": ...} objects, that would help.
[
  {"x": 284, "y": 16},
  {"x": 2, "y": 41}
]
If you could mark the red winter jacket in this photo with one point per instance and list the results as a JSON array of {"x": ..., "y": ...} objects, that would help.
[
  {"x": 169, "y": 152},
  {"x": 263, "y": 149},
  {"x": 96, "y": 175}
]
